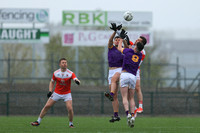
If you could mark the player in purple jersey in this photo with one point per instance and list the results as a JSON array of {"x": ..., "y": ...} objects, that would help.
[
  {"x": 138, "y": 87},
  {"x": 115, "y": 60},
  {"x": 131, "y": 61}
]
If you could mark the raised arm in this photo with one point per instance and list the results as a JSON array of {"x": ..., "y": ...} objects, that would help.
[
  {"x": 110, "y": 42},
  {"x": 113, "y": 27},
  {"x": 120, "y": 45},
  {"x": 126, "y": 42},
  {"x": 122, "y": 35}
]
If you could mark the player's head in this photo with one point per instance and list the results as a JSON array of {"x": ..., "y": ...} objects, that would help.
[
  {"x": 63, "y": 63},
  {"x": 116, "y": 40},
  {"x": 141, "y": 39},
  {"x": 144, "y": 40},
  {"x": 139, "y": 46}
]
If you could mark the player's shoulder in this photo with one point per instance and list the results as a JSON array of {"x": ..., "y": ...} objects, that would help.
[
  {"x": 143, "y": 52},
  {"x": 57, "y": 71},
  {"x": 127, "y": 49},
  {"x": 111, "y": 46},
  {"x": 69, "y": 71}
]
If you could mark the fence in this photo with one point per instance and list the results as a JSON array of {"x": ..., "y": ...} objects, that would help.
[
  {"x": 91, "y": 72},
  {"x": 94, "y": 103},
  {"x": 163, "y": 94}
]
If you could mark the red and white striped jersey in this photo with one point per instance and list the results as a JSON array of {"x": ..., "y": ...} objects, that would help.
[
  {"x": 63, "y": 81},
  {"x": 143, "y": 56}
]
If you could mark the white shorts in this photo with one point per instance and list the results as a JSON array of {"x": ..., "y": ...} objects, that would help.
[
  {"x": 65, "y": 97},
  {"x": 138, "y": 74},
  {"x": 127, "y": 80},
  {"x": 112, "y": 73}
]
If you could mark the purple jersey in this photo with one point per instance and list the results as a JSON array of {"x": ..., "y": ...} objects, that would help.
[
  {"x": 131, "y": 60},
  {"x": 115, "y": 57}
]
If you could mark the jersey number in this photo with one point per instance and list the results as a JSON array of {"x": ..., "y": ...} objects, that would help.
[{"x": 135, "y": 58}]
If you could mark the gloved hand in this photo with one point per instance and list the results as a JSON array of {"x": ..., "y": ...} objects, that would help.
[
  {"x": 119, "y": 27},
  {"x": 123, "y": 34},
  {"x": 127, "y": 40},
  {"x": 113, "y": 26},
  {"x": 49, "y": 94},
  {"x": 77, "y": 82}
]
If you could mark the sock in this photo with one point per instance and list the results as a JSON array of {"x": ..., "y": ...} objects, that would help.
[
  {"x": 70, "y": 123},
  {"x": 111, "y": 93},
  {"x": 39, "y": 119},
  {"x": 140, "y": 104},
  {"x": 127, "y": 112},
  {"x": 115, "y": 114}
]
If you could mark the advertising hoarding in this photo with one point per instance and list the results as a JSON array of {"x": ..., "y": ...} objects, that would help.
[
  {"x": 15, "y": 15},
  {"x": 104, "y": 18},
  {"x": 22, "y": 35},
  {"x": 98, "y": 38}
]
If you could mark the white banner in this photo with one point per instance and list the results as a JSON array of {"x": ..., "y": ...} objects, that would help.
[
  {"x": 104, "y": 18},
  {"x": 24, "y": 35},
  {"x": 98, "y": 38},
  {"x": 15, "y": 15}
]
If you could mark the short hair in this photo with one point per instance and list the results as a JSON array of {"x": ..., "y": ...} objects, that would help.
[
  {"x": 62, "y": 59},
  {"x": 140, "y": 46},
  {"x": 116, "y": 37},
  {"x": 144, "y": 40}
]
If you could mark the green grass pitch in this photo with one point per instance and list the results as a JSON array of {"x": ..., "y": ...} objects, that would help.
[{"x": 91, "y": 124}]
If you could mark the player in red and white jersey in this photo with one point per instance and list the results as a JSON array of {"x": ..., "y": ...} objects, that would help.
[
  {"x": 63, "y": 80},
  {"x": 138, "y": 87},
  {"x": 62, "y": 77}
]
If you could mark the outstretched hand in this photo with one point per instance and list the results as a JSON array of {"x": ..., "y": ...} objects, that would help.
[
  {"x": 123, "y": 34},
  {"x": 119, "y": 27},
  {"x": 113, "y": 26}
]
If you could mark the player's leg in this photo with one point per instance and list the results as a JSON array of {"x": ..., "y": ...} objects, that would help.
[
  {"x": 47, "y": 106},
  {"x": 132, "y": 106},
  {"x": 115, "y": 105},
  {"x": 113, "y": 96},
  {"x": 70, "y": 112},
  {"x": 131, "y": 93},
  {"x": 43, "y": 112},
  {"x": 68, "y": 101},
  {"x": 114, "y": 82},
  {"x": 140, "y": 96},
  {"x": 139, "y": 93},
  {"x": 114, "y": 93},
  {"x": 113, "y": 79},
  {"x": 113, "y": 89},
  {"x": 107, "y": 94},
  {"x": 124, "y": 93}
]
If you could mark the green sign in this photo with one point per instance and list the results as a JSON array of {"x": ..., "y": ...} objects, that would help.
[
  {"x": 96, "y": 18},
  {"x": 104, "y": 18},
  {"x": 24, "y": 35}
]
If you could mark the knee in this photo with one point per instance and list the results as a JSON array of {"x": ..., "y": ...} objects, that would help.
[
  {"x": 125, "y": 102},
  {"x": 70, "y": 109},
  {"x": 47, "y": 106},
  {"x": 114, "y": 80},
  {"x": 115, "y": 97},
  {"x": 137, "y": 88}
]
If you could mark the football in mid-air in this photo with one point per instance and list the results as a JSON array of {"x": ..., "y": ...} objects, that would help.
[{"x": 128, "y": 16}]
